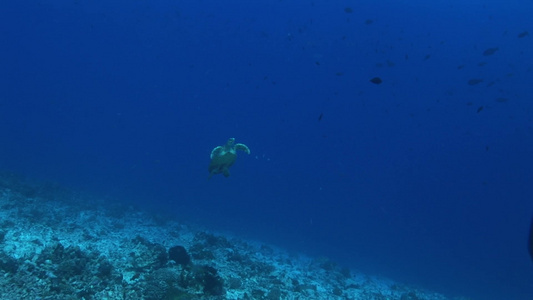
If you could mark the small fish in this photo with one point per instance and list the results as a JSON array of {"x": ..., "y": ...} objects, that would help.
[
  {"x": 523, "y": 34},
  {"x": 490, "y": 51},
  {"x": 320, "y": 117},
  {"x": 376, "y": 80},
  {"x": 479, "y": 109},
  {"x": 501, "y": 99},
  {"x": 369, "y": 21},
  {"x": 474, "y": 81},
  {"x": 348, "y": 10}
]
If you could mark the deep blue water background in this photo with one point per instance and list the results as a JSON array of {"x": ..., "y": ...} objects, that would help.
[{"x": 424, "y": 178}]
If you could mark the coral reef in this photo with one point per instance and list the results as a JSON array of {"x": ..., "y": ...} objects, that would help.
[{"x": 54, "y": 246}]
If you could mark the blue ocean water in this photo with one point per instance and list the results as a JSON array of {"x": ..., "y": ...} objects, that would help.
[{"x": 425, "y": 178}]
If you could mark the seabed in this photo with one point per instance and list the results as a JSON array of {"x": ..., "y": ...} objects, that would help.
[{"x": 55, "y": 244}]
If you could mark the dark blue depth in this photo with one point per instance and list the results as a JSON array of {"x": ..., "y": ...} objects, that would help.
[{"x": 394, "y": 137}]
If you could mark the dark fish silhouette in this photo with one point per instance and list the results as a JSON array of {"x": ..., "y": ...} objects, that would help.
[
  {"x": 530, "y": 241},
  {"x": 490, "y": 51},
  {"x": 376, "y": 80},
  {"x": 475, "y": 81},
  {"x": 523, "y": 34}
]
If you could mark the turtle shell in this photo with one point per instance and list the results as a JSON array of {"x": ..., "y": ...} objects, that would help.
[{"x": 222, "y": 163}]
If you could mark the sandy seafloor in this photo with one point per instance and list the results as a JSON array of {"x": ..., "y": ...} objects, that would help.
[{"x": 56, "y": 244}]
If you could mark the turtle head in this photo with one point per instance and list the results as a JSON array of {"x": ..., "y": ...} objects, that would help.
[{"x": 229, "y": 143}]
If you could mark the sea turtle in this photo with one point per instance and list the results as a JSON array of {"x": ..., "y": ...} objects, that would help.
[{"x": 223, "y": 157}]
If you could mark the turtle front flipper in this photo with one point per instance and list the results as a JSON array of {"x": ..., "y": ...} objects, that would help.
[
  {"x": 242, "y": 147},
  {"x": 216, "y": 151}
]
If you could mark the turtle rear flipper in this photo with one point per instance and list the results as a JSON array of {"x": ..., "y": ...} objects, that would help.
[
  {"x": 225, "y": 172},
  {"x": 242, "y": 147}
]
